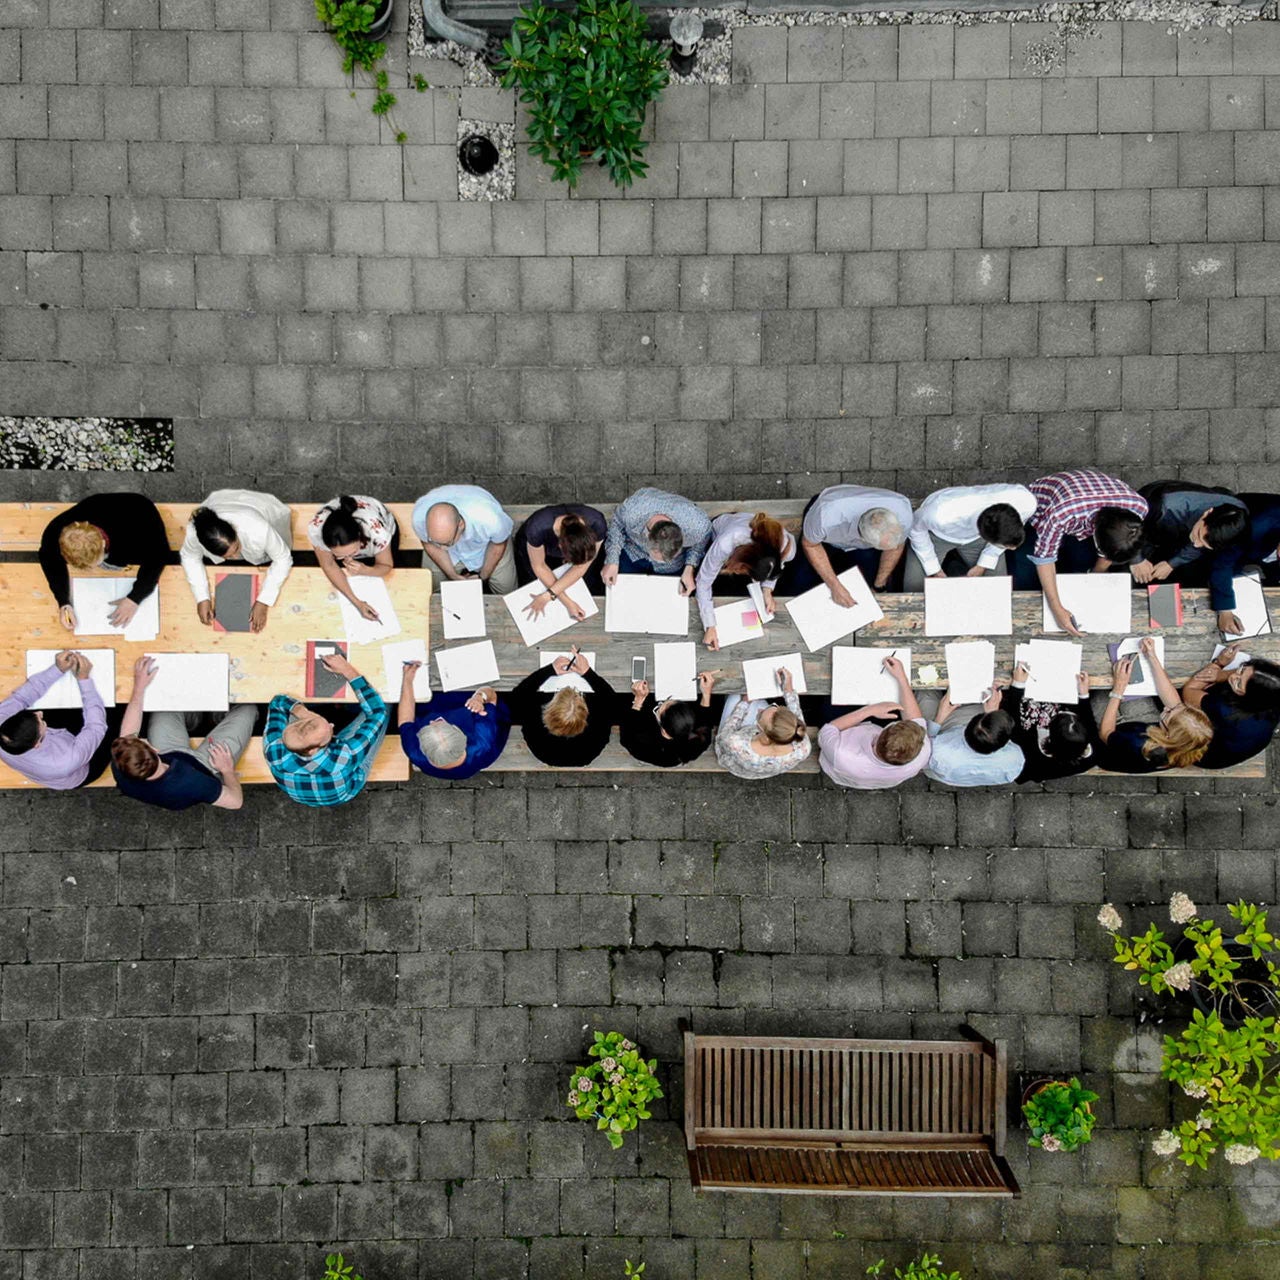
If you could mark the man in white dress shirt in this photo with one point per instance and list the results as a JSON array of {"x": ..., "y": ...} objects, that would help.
[
  {"x": 238, "y": 524},
  {"x": 979, "y": 522}
]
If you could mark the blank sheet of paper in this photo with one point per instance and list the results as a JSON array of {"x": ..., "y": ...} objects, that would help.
[
  {"x": 64, "y": 695},
  {"x": 394, "y": 656},
  {"x": 858, "y": 675},
  {"x": 467, "y": 666},
  {"x": 821, "y": 621},
  {"x": 1097, "y": 601},
  {"x": 360, "y": 630},
  {"x": 1052, "y": 667},
  {"x": 646, "y": 605},
  {"x": 188, "y": 682},
  {"x": 971, "y": 670},
  {"x": 553, "y": 619},
  {"x": 1251, "y": 606},
  {"x": 462, "y": 608},
  {"x": 675, "y": 671},
  {"x": 761, "y": 675},
  {"x": 968, "y": 606},
  {"x": 91, "y": 599}
]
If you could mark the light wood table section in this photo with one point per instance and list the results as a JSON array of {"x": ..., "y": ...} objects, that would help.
[{"x": 262, "y": 665}]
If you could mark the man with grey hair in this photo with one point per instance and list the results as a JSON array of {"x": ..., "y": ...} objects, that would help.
[
  {"x": 458, "y": 734},
  {"x": 851, "y": 525},
  {"x": 656, "y": 532}
]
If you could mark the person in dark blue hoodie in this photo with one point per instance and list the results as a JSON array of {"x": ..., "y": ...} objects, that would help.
[{"x": 1259, "y": 547}]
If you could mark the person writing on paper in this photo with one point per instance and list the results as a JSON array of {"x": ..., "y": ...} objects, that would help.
[
  {"x": 752, "y": 547},
  {"x": 569, "y": 534},
  {"x": 457, "y": 734},
  {"x": 1179, "y": 738},
  {"x": 55, "y": 758},
  {"x": 466, "y": 534},
  {"x": 1184, "y": 522},
  {"x": 238, "y": 524},
  {"x": 977, "y": 523},
  {"x": 163, "y": 768},
  {"x": 105, "y": 531},
  {"x": 1057, "y": 741},
  {"x": 656, "y": 532},
  {"x": 668, "y": 733},
  {"x": 353, "y": 537},
  {"x": 312, "y": 763},
  {"x": 1258, "y": 549},
  {"x": 567, "y": 728},
  {"x": 973, "y": 750},
  {"x": 758, "y": 738},
  {"x": 1084, "y": 521},
  {"x": 879, "y": 745},
  {"x": 850, "y": 526},
  {"x": 1242, "y": 703}
]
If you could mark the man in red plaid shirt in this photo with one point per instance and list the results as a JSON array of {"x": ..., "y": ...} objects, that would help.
[{"x": 1087, "y": 521}]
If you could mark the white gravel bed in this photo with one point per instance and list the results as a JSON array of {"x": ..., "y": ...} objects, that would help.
[
  {"x": 85, "y": 444},
  {"x": 500, "y": 182}
]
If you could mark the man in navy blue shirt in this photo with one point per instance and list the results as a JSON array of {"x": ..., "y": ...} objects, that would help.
[
  {"x": 1259, "y": 547},
  {"x": 459, "y": 733}
]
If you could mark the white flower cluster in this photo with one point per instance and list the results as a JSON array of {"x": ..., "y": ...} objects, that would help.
[
  {"x": 1050, "y": 1143},
  {"x": 1181, "y": 909},
  {"x": 1178, "y": 976},
  {"x": 1193, "y": 1089},
  {"x": 1239, "y": 1153},
  {"x": 1166, "y": 1143},
  {"x": 85, "y": 444},
  {"x": 1109, "y": 918}
]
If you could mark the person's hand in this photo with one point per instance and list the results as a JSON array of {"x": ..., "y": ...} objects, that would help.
[
  {"x": 144, "y": 672},
  {"x": 687, "y": 582},
  {"x": 1161, "y": 571},
  {"x": 409, "y": 673},
  {"x": 1121, "y": 673},
  {"x": 880, "y": 584},
  {"x": 883, "y": 710},
  {"x": 609, "y": 575},
  {"x": 122, "y": 612},
  {"x": 479, "y": 700},
  {"x": 357, "y": 568},
  {"x": 1082, "y": 683},
  {"x": 1229, "y": 624},
  {"x": 1226, "y": 657},
  {"x": 363, "y": 608},
  {"x": 221, "y": 758},
  {"x": 786, "y": 680},
  {"x": 639, "y": 692},
  {"x": 258, "y": 616},
  {"x": 710, "y": 638},
  {"x": 1147, "y": 647},
  {"x": 1020, "y": 673},
  {"x": 1141, "y": 570},
  {"x": 976, "y": 572},
  {"x": 336, "y": 663},
  {"x": 767, "y": 593},
  {"x": 993, "y": 702},
  {"x": 706, "y": 682},
  {"x": 83, "y": 667},
  {"x": 67, "y": 616},
  {"x": 65, "y": 660},
  {"x": 561, "y": 664},
  {"x": 576, "y": 611},
  {"x": 893, "y": 666},
  {"x": 578, "y": 664},
  {"x": 539, "y": 602},
  {"x": 840, "y": 595},
  {"x": 1066, "y": 620},
  {"x": 939, "y": 574},
  {"x": 204, "y": 611}
]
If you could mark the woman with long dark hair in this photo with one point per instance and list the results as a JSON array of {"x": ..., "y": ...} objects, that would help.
[
  {"x": 1242, "y": 703},
  {"x": 353, "y": 537},
  {"x": 743, "y": 549}
]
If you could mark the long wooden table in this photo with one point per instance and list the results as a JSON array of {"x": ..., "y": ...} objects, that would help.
[{"x": 262, "y": 665}]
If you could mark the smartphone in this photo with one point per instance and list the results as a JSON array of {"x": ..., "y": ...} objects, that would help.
[
  {"x": 1138, "y": 674},
  {"x": 638, "y": 666}
]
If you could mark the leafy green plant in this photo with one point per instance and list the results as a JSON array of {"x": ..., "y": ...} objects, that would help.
[
  {"x": 926, "y": 1267},
  {"x": 586, "y": 74},
  {"x": 337, "y": 1268},
  {"x": 1059, "y": 1116},
  {"x": 1230, "y": 1070},
  {"x": 348, "y": 22},
  {"x": 632, "y": 1271},
  {"x": 616, "y": 1088}
]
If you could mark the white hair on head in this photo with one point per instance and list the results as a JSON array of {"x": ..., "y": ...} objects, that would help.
[
  {"x": 879, "y": 527},
  {"x": 442, "y": 743}
]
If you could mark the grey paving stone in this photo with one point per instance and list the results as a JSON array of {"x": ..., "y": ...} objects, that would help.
[{"x": 902, "y": 109}]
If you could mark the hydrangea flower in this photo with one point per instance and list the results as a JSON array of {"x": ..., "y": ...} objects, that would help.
[
  {"x": 574, "y": 1098},
  {"x": 608, "y": 1064},
  {"x": 616, "y": 1078},
  {"x": 1239, "y": 1153},
  {"x": 1109, "y": 918},
  {"x": 1203, "y": 1121},
  {"x": 585, "y": 1084},
  {"x": 1165, "y": 1143},
  {"x": 1181, "y": 909},
  {"x": 1050, "y": 1143},
  {"x": 1193, "y": 1089},
  {"x": 627, "y": 1046},
  {"x": 1178, "y": 976}
]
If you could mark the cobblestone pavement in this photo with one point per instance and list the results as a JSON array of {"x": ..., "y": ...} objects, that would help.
[{"x": 230, "y": 1040}]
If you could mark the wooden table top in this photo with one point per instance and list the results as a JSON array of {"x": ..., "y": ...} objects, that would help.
[{"x": 262, "y": 665}]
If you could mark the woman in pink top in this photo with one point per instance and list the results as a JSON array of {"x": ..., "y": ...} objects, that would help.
[{"x": 859, "y": 754}]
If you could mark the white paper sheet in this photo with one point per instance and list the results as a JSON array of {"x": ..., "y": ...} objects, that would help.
[
  {"x": 188, "y": 682},
  {"x": 761, "y": 674},
  {"x": 968, "y": 606},
  {"x": 1146, "y": 688},
  {"x": 467, "y": 666},
  {"x": 553, "y": 619},
  {"x": 462, "y": 608},
  {"x": 1241, "y": 659},
  {"x": 646, "y": 605},
  {"x": 756, "y": 592},
  {"x": 1097, "y": 601},
  {"x": 737, "y": 621},
  {"x": 675, "y": 671},
  {"x": 971, "y": 670},
  {"x": 1052, "y": 667},
  {"x": 821, "y": 621},
  {"x": 569, "y": 680},
  {"x": 91, "y": 598},
  {"x": 361, "y": 630},
  {"x": 394, "y": 656},
  {"x": 65, "y": 692},
  {"x": 1251, "y": 606},
  {"x": 858, "y": 675}
]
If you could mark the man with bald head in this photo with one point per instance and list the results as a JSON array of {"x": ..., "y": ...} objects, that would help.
[{"x": 466, "y": 534}]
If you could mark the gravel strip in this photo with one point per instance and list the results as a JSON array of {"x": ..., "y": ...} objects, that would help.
[
  {"x": 86, "y": 444},
  {"x": 500, "y": 182}
]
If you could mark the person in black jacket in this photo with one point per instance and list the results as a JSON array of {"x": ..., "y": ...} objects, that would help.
[
  {"x": 1184, "y": 521},
  {"x": 1259, "y": 547},
  {"x": 107, "y": 530},
  {"x": 567, "y": 728},
  {"x": 1057, "y": 741},
  {"x": 1242, "y": 702},
  {"x": 670, "y": 733}
]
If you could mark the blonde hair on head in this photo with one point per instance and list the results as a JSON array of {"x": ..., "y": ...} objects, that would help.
[
  {"x": 566, "y": 714},
  {"x": 1185, "y": 737},
  {"x": 82, "y": 545},
  {"x": 784, "y": 727}
]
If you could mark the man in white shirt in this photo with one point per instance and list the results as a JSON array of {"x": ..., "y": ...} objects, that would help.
[
  {"x": 238, "y": 524},
  {"x": 978, "y": 522},
  {"x": 466, "y": 534}
]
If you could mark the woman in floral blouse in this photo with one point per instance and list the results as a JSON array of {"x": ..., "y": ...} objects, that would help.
[
  {"x": 353, "y": 536},
  {"x": 758, "y": 739}
]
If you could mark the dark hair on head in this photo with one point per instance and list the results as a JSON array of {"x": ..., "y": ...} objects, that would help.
[
  {"x": 1068, "y": 737},
  {"x": 760, "y": 558},
  {"x": 1117, "y": 534},
  {"x": 989, "y": 731},
  {"x": 680, "y": 721},
  {"x": 213, "y": 532},
  {"x": 577, "y": 540},
  {"x": 1262, "y": 693},
  {"x": 19, "y": 733},
  {"x": 341, "y": 528},
  {"x": 667, "y": 539},
  {"x": 1002, "y": 526},
  {"x": 1224, "y": 526},
  {"x": 134, "y": 758}
]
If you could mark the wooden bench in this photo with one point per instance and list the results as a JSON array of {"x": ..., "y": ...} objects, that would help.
[{"x": 846, "y": 1117}]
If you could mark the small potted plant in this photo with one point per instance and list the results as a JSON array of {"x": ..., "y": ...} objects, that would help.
[
  {"x": 1059, "y": 1114},
  {"x": 615, "y": 1090},
  {"x": 586, "y": 74},
  {"x": 358, "y": 28},
  {"x": 1227, "y": 1058},
  {"x": 337, "y": 1268},
  {"x": 926, "y": 1267}
]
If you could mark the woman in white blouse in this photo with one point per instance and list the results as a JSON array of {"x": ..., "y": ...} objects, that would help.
[
  {"x": 353, "y": 536},
  {"x": 749, "y": 548},
  {"x": 238, "y": 524},
  {"x": 758, "y": 739}
]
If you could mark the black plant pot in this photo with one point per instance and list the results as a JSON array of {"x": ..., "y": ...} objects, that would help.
[
  {"x": 477, "y": 154},
  {"x": 1251, "y": 995},
  {"x": 381, "y": 23}
]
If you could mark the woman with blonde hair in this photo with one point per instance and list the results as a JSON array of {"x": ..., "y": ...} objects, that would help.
[
  {"x": 743, "y": 547},
  {"x": 564, "y": 726},
  {"x": 1179, "y": 738},
  {"x": 759, "y": 739}
]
